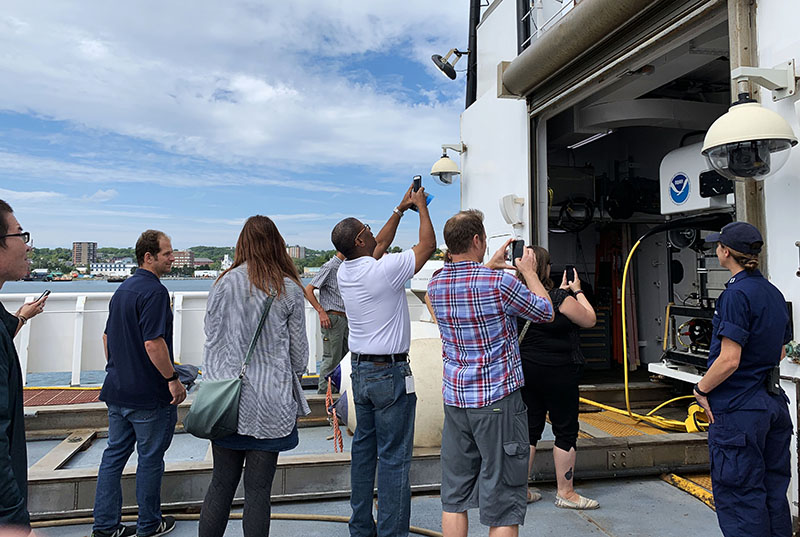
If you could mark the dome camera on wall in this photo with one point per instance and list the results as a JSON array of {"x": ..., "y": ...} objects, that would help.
[
  {"x": 445, "y": 170},
  {"x": 748, "y": 142}
]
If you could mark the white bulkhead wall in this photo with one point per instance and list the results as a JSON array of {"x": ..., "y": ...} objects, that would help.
[
  {"x": 779, "y": 41},
  {"x": 495, "y": 131}
]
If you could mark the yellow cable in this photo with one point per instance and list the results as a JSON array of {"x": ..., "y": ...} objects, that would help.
[
  {"x": 665, "y": 403},
  {"x": 624, "y": 328},
  {"x": 656, "y": 421}
]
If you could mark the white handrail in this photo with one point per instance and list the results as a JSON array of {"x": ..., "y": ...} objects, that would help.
[{"x": 43, "y": 342}]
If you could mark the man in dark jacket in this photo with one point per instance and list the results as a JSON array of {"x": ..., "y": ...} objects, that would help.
[{"x": 14, "y": 265}]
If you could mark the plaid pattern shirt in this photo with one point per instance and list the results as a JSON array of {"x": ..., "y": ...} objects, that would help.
[{"x": 476, "y": 308}]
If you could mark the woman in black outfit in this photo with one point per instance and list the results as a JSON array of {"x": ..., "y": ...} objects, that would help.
[{"x": 552, "y": 364}]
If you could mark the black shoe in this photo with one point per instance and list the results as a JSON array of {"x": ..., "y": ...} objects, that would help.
[
  {"x": 122, "y": 531},
  {"x": 166, "y": 526}
]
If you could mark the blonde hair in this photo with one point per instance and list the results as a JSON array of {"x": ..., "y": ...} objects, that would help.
[{"x": 748, "y": 262}]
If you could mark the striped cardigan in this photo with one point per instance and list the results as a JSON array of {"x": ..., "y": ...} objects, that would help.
[{"x": 272, "y": 397}]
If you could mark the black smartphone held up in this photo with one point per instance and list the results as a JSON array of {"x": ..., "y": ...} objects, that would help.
[
  {"x": 570, "y": 273},
  {"x": 46, "y": 292},
  {"x": 417, "y": 186},
  {"x": 517, "y": 250}
]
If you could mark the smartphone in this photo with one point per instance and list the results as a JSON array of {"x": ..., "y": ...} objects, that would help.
[
  {"x": 46, "y": 292},
  {"x": 417, "y": 185},
  {"x": 517, "y": 249},
  {"x": 570, "y": 273}
]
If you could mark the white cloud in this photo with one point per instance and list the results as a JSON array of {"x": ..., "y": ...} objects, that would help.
[
  {"x": 102, "y": 195},
  {"x": 53, "y": 169},
  {"x": 12, "y": 196},
  {"x": 238, "y": 82}
]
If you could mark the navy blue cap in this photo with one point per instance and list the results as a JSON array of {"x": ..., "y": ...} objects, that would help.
[{"x": 739, "y": 236}]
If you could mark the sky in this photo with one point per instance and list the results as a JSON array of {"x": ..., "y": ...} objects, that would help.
[{"x": 188, "y": 117}]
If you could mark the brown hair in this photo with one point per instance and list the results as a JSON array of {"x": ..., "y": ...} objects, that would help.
[
  {"x": 262, "y": 247},
  {"x": 5, "y": 209},
  {"x": 542, "y": 262},
  {"x": 148, "y": 243},
  {"x": 748, "y": 262},
  {"x": 461, "y": 228}
]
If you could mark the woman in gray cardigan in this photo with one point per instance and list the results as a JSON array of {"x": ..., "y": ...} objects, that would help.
[{"x": 272, "y": 397}]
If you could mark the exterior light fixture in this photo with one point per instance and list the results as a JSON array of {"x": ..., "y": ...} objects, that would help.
[
  {"x": 445, "y": 170},
  {"x": 449, "y": 69}
]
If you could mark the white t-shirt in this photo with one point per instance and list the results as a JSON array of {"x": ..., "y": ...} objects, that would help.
[{"x": 374, "y": 294}]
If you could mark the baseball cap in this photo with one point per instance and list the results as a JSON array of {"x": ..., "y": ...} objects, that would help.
[{"x": 740, "y": 236}]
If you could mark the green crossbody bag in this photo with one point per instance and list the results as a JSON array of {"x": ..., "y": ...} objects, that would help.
[{"x": 215, "y": 410}]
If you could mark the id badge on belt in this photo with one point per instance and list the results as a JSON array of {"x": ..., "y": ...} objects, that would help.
[{"x": 410, "y": 384}]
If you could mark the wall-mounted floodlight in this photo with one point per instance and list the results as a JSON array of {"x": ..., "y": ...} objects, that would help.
[
  {"x": 749, "y": 141},
  {"x": 445, "y": 170},
  {"x": 449, "y": 69},
  {"x": 511, "y": 209}
]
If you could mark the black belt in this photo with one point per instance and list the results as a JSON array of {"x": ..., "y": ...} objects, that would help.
[{"x": 380, "y": 358}]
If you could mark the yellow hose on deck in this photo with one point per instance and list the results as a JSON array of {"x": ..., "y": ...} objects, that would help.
[{"x": 691, "y": 424}]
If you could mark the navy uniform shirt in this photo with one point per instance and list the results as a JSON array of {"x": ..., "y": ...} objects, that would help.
[
  {"x": 753, "y": 313},
  {"x": 139, "y": 311},
  {"x": 13, "y": 452}
]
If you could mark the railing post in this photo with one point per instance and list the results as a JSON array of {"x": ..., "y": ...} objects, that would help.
[
  {"x": 77, "y": 341},
  {"x": 24, "y": 343},
  {"x": 177, "y": 326},
  {"x": 312, "y": 334}
]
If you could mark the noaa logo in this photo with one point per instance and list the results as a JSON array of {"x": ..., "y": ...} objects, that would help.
[{"x": 679, "y": 188}]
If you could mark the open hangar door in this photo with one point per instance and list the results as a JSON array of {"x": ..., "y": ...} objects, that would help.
[{"x": 607, "y": 188}]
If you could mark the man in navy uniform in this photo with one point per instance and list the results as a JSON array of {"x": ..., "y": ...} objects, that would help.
[
  {"x": 142, "y": 392},
  {"x": 751, "y": 428}
]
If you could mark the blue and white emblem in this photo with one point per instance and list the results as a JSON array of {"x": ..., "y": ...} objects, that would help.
[{"x": 679, "y": 188}]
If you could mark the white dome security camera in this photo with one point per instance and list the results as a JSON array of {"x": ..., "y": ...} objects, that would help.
[
  {"x": 445, "y": 170},
  {"x": 748, "y": 142}
]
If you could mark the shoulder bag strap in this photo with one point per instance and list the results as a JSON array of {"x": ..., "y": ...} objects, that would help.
[
  {"x": 524, "y": 331},
  {"x": 253, "y": 342}
]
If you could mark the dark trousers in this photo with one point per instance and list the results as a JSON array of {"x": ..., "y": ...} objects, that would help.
[
  {"x": 552, "y": 389},
  {"x": 751, "y": 467},
  {"x": 258, "y": 474}
]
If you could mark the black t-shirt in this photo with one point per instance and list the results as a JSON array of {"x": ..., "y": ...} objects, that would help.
[
  {"x": 139, "y": 311},
  {"x": 13, "y": 451},
  {"x": 555, "y": 343}
]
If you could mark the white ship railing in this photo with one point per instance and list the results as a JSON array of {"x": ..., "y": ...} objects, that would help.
[
  {"x": 67, "y": 336},
  {"x": 543, "y": 15}
]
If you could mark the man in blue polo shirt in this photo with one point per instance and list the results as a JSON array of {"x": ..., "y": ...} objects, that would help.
[{"x": 141, "y": 390}]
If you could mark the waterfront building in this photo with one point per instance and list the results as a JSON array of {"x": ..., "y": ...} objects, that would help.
[
  {"x": 112, "y": 270},
  {"x": 84, "y": 253},
  {"x": 183, "y": 258},
  {"x": 296, "y": 252},
  {"x": 200, "y": 261}
]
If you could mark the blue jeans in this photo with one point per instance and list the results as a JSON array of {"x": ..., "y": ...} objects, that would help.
[
  {"x": 384, "y": 438},
  {"x": 150, "y": 430}
]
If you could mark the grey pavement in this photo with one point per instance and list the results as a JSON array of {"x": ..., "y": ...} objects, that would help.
[{"x": 645, "y": 507}]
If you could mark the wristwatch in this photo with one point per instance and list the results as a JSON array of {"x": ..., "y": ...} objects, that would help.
[
  {"x": 398, "y": 212},
  {"x": 173, "y": 377},
  {"x": 699, "y": 391}
]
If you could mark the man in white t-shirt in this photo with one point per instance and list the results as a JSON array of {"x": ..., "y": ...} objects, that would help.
[{"x": 372, "y": 286}]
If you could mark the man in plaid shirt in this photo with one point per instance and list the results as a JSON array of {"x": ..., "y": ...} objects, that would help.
[{"x": 484, "y": 440}]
